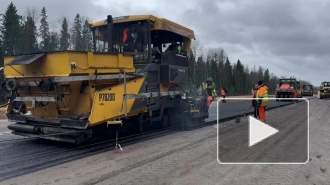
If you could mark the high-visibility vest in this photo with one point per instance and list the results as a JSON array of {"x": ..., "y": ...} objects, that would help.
[
  {"x": 214, "y": 93},
  {"x": 223, "y": 93},
  {"x": 264, "y": 101},
  {"x": 179, "y": 49}
]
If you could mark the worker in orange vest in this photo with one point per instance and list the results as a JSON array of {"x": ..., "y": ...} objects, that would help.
[
  {"x": 262, "y": 100},
  {"x": 223, "y": 94}
]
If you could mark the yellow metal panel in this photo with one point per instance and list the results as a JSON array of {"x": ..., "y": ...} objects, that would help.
[
  {"x": 53, "y": 64},
  {"x": 48, "y": 111},
  {"x": 131, "y": 18},
  {"x": 79, "y": 103},
  {"x": 108, "y": 109},
  {"x": 159, "y": 24},
  {"x": 90, "y": 57},
  {"x": 58, "y": 64}
]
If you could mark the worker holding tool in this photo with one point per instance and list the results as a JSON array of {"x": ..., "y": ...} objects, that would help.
[
  {"x": 210, "y": 89},
  {"x": 262, "y": 100}
]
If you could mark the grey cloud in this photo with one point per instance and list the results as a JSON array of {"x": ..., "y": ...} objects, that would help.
[
  {"x": 294, "y": 32},
  {"x": 57, "y": 9},
  {"x": 288, "y": 37}
]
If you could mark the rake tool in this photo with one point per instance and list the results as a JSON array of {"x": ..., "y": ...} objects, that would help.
[{"x": 238, "y": 119}]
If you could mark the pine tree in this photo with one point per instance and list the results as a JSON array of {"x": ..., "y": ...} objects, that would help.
[
  {"x": 44, "y": 31},
  {"x": 1, "y": 62},
  {"x": 192, "y": 61},
  {"x": 65, "y": 36},
  {"x": 54, "y": 41},
  {"x": 228, "y": 76},
  {"x": 2, "y": 98},
  {"x": 214, "y": 71},
  {"x": 1, "y": 45},
  {"x": 266, "y": 77},
  {"x": 260, "y": 74},
  {"x": 221, "y": 60},
  {"x": 238, "y": 77},
  {"x": 87, "y": 37},
  {"x": 11, "y": 31},
  {"x": 77, "y": 34},
  {"x": 200, "y": 74},
  {"x": 30, "y": 36}
]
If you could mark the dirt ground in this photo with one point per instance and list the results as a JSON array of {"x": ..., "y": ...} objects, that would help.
[
  {"x": 3, "y": 113},
  {"x": 191, "y": 158}
]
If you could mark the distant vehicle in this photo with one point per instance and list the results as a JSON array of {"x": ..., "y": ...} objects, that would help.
[
  {"x": 308, "y": 90},
  {"x": 324, "y": 90},
  {"x": 288, "y": 88}
]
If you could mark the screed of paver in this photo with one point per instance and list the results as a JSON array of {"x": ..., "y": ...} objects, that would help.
[{"x": 190, "y": 158}]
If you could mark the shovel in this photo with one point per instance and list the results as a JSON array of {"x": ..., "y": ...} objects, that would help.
[{"x": 238, "y": 119}]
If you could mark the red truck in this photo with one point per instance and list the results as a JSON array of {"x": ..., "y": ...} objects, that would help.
[{"x": 288, "y": 88}]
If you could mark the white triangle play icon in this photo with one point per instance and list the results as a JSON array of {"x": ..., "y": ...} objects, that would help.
[{"x": 259, "y": 131}]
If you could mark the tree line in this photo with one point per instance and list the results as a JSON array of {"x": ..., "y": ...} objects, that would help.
[
  {"x": 238, "y": 78},
  {"x": 19, "y": 34}
]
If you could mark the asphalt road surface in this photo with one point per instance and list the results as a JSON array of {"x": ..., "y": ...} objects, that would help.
[
  {"x": 289, "y": 145},
  {"x": 26, "y": 156},
  {"x": 236, "y": 107}
]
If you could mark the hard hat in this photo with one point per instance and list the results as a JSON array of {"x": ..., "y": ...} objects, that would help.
[{"x": 210, "y": 79}]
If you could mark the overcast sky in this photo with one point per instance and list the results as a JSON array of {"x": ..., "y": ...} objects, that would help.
[{"x": 289, "y": 37}]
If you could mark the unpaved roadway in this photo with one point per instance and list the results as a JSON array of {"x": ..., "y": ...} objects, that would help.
[{"x": 191, "y": 158}]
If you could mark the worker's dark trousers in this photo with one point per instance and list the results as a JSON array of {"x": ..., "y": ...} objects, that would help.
[{"x": 255, "y": 112}]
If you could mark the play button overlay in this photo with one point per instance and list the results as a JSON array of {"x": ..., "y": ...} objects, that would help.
[
  {"x": 283, "y": 139},
  {"x": 259, "y": 131}
]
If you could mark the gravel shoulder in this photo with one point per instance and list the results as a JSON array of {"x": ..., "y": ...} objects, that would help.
[{"x": 191, "y": 158}]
